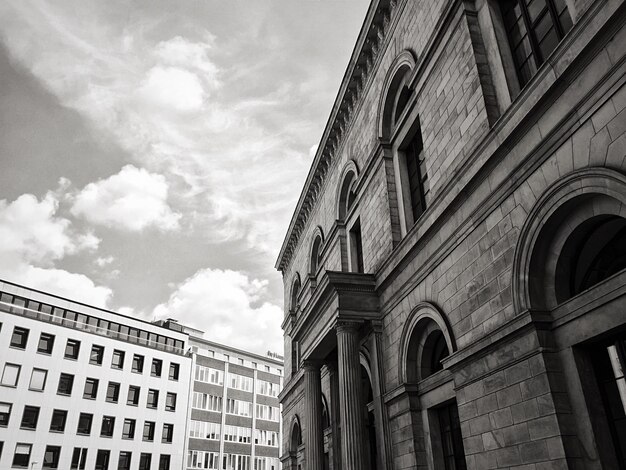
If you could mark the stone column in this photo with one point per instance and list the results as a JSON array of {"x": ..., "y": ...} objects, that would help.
[
  {"x": 333, "y": 373},
  {"x": 353, "y": 443},
  {"x": 314, "y": 444}
]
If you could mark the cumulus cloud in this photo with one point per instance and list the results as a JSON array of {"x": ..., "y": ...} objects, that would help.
[
  {"x": 102, "y": 261},
  {"x": 132, "y": 200},
  {"x": 33, "y": 237},
  {"x": 173, "y": 88},
  {"x": 229, "y": 307}
]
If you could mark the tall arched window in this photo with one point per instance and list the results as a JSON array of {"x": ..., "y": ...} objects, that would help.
[
  {"x": 295, "y": 291},
  {"x": 316, "y": 253},
  {"x": 401, "y": 129}
]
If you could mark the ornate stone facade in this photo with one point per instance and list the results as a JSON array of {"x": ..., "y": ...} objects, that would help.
[{"x": 455, "y": 267}]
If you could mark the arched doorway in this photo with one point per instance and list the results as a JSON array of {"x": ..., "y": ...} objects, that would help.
[
  {"x": 295, "y": 445},
  {"x": 368, "y": 411}
]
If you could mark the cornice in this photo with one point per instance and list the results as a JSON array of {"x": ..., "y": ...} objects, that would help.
[{"x": 373, "y": 36}]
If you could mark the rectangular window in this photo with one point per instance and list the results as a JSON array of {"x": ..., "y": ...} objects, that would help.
[
  {"x": 356, "y": 248},
  {"x": 118, "y": 359},
  {"x": 84, "y": 424},
  {"x": 416, "y": 175},
  {"x": 128, "y": 431},
  {"x": 174, "y": 371},
  {"x": 72, "y": 348},
  {"x": 108, "y": 424},
  {"x": 91, "y": 388},
  {"x": 21, "y": 458},
  {"x": 237, "y": 434},
  {"x": 30, "y": 417},
  {"x": 51, "y": 457},
  {"x": 19, "y": 339},
  {"x": 10, "y": 375},
  {"x": 153, "y": 398},
  {"x": 204, "y": 430},
  {"x": 46, "y": 343},
  {"x": 66, "y": 383},
  {"x": 164, "y": 462},
  {"x": 79, "y": 457},
  {"x": 5, "y": 414},
  {"x": 157, "y": 365},
  {"x": 38, "y": 380},
  {"x": 209, "y": 375},
  {"x": 57, "y": 423},
  {"x": 240, "y": 382},
  {"x": 97, "y": 355},
  {"x": 144, "y": 461},
  {"x": 113, "y": 392},
  {"x": 124, "y": 461},
  {"x": 168, "y": 433},
  {"x": 148, "y": 431},
  {"x": 137, "y": 364},
  {"x": 133, "y": 395},
  {"x": 534, "y": 29},
  {"x": 102, "y": 459},
  {"x": 170, "y": 402},
  {"x": 451, "y": 437}
]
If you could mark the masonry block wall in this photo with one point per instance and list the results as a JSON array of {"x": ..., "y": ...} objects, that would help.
[{"x": 513, "y": 375}]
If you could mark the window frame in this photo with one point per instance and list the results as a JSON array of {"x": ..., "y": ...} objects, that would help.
[
  {"x": 23, "y": 334},
  {"x": 35, "y": 411},
  {"x": 74, "y": 353},
  {"x": 65, "y": 376},
  {"x": 95, "y": 383},
  {"x": 88, "y": 417},
  {"x": 49, "y": 338},
  {"x": 31, "y": 387},
  {"x": 5, "y": 423},
  {"x": 110, "y": 426},
  {"x": 55, "y": 414}
]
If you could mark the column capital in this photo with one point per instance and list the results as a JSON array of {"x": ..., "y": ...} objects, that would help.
[
  {"x": 311, "y": 365},
  {"x": 347, "y": 326}
]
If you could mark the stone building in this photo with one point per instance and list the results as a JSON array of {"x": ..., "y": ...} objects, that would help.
[{"x": 454, "y": 269}]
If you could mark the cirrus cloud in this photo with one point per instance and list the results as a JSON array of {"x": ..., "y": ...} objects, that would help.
[{"x": 133, "y": 200}]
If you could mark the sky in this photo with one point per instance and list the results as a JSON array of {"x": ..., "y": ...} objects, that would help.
[{"x": 152, "y": 152}]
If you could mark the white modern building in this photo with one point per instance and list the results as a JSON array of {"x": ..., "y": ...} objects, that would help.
[
  {"x": 234, "y": 409},
  {"x": 83, "y": 388}
]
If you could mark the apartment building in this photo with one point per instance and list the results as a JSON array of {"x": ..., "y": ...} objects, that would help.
[
  {"x": 83, "y": 388},
  {"x": 234, "y": 412}
]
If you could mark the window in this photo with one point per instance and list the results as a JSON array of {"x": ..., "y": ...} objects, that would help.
[
  {"x": 174, "y": 371},
  {"x": 21, "y": 458},
  {"x": 534, "y": 28},
  {"x": 46, "y": 343},
  {"x": 102, "y": 459},
  {"x": 72, "y": 348},
  {"x": 208, "y": 375},
  {"x": 237, "y": 434},
  {"x": 97, "y": 355},
  {"x": 128, "y": 431},
  {"x": 238, "y": 407},
  {"x": 5, "y": 414},
  {"x": 157, "y": 365},
  {"x": 124, "y": 461},
  {"x": 137, "y": 364},
  {"x": 84, "y": 423},
  {"x": 66, "y": 382},
  {"x": 30, "y": 417},
  {"x": 451, "y": 437},
  {"x": 113, "y": 392},
  {"x": 168, "y": 433},
  {"x": 164, "y": 462},
  {"x": 133, "y": 395},
  {"x": 267, "y": 388},
  {"x": 51, "y": 457},
  {"x": 79, "y": 457},
  {"x": 356, "y": 248},
  {"x": 240, "y": 382},
  {"x": 144, "y": 461},
  {"x": 266, "y": 438},
  {"x": 108, "y": 424},
  {"x": 148, "y": 431},
  {"x": 204, "y": 430},
  {"x": 153, "y": 398},
  {"x": 19, "y": 338},
  {"x": 416, "y": 177},
  {"x": 118, "y": 359},
  {"x": 38, "y": 380},
  {"x": 170, "y": 402},
  {"x": 206, "y": 402},
  {"x": 200, "y": 459},
  {"x": 59, "y": 418},
  {"x": 10, "y": 375},
  {"x": 91, "y": 389}
]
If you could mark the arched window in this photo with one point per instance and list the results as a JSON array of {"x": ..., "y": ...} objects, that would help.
[
  {"x": 405, "y": 137},
  {"x": 347, "y": 195},
  {"x": 316, "y": 254},
  {"x": 325, "y": 413},
  {"x": 295, "y": 291}
]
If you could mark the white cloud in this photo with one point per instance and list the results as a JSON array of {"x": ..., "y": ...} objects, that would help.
[
  {"x": 229, "y": 307},
  {"x": 33, "y": 237},
  {"x": 133, "y": 199},
  {"x": 104, "y": 260},
  {"x": 173, "y": 89}
]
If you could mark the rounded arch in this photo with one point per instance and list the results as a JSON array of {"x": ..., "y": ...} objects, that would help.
[
  {"x": 295, "y": 290},
  {"x": 421, "y": 340},
  {"x": 393, "y": 91},
  {"x": 346, "y": 194},
  {"x": 551, "y": 242},
  {"x": 295, "y": 434},
  {"x": 317, "y": 241},
  {"x": 325, "y": 413}
]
